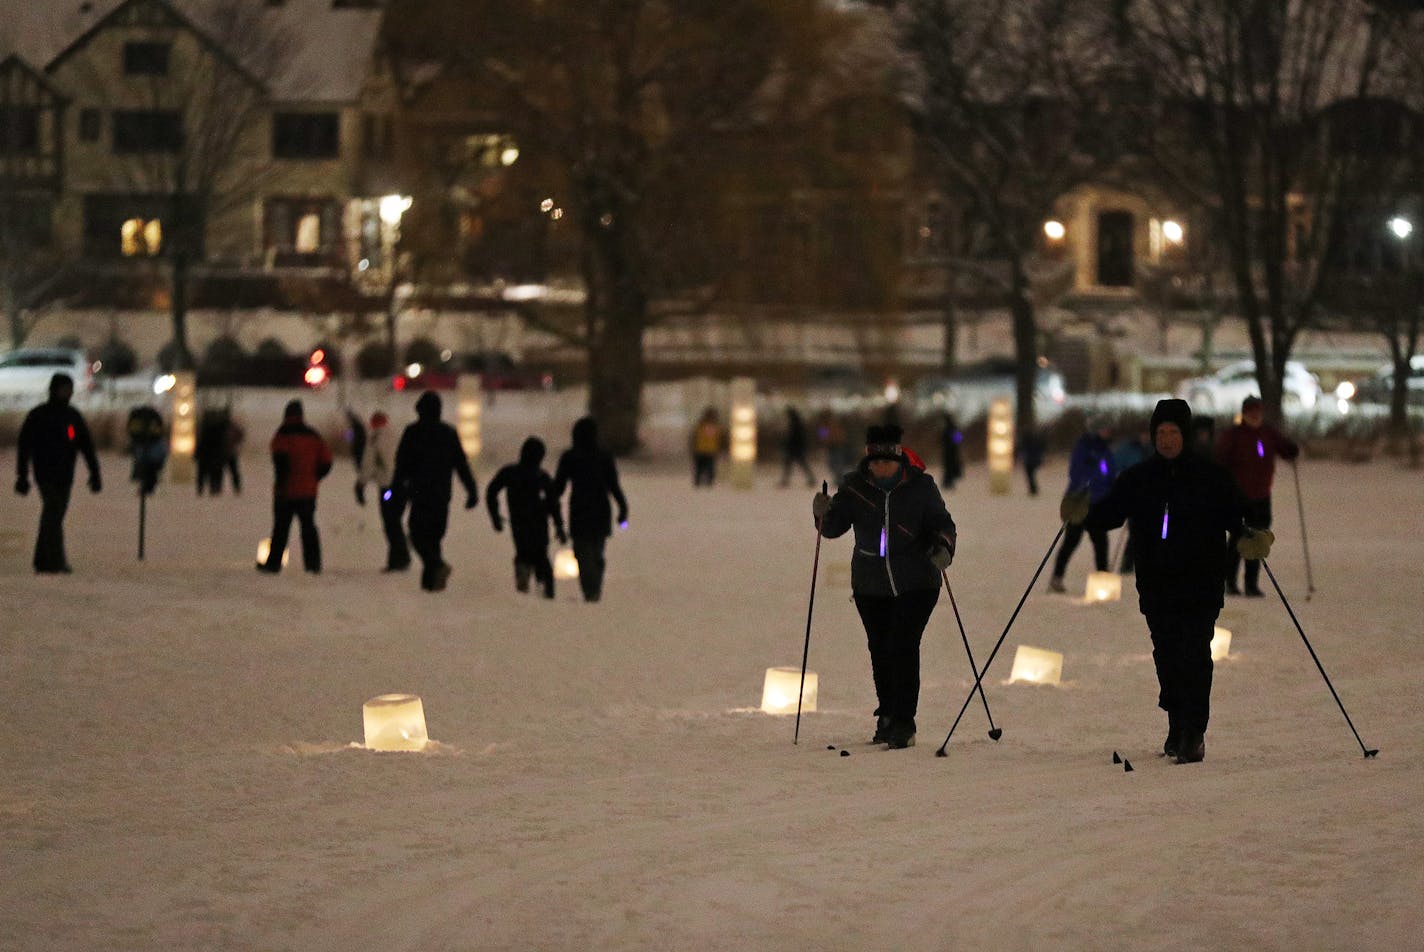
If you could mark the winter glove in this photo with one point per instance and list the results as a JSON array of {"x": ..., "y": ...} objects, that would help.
[
  {"x": 941, "y": 556},
  {"x": 360, "y": 493},
  {"x": 1256, "y": 544},
  {"x": 95, "y": 483},
  {"x": 471, "y": 501},
  {"x": 22, "y": 486},
  {"x": 820, "y": 505},
  {"x": 1074, "y": 508},
  {"x": 496, "y": 521}
]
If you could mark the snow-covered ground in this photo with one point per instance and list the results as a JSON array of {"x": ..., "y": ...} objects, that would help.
[{"x": 177, "y": 769}]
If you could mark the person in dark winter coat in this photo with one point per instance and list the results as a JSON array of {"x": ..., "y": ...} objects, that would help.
[
  {"x": 904, "y": 538},
  {"x": 589, "y": 473},
  {"x": 53, "y": 435},
  {"x": 707, "y": 441},
  {"x": 950, "y": 436},
  {"x": 1031, "y": 447},
  {"x": 1180, "y": 507},
  {"x": 532, "y": 504},
  {"x": 1249, "y": 450},
  {"x": 377, "y": 467},
  {"x": 300, "y": 460},
  {"x": 1091, "y": 468},
  {"x": 428, "y": 456},
  {"x": 148, "y": 447},
  {"x": 793, "y": 448}
]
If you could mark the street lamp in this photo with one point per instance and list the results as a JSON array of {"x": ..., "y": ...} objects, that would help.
[{"x": 1401, "y": 227}]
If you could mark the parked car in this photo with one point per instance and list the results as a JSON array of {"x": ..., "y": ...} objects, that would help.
[
  {"x": 1223, "y": 391},
  {"x": 1379, "y": 388},
  {"x": 25, "y": 373},
  {"x": 497, "y": 371},
  {"x": 967, "y": 393}
]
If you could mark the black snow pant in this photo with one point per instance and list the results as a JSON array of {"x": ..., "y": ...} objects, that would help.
[
  {"x": 49, "y": 543},
  {"x": 796, "y": 459},
  {"x": 1258, "y": 516},
  {"x": 1181, "y": 652},
  {"x": 427, "y": 528},
  {"x": 1031, "y": 474},
  {"x": 704, "y": 469},
  {"x": 893, "y": 627},
  {"x": 283, "y": 512},
  {"x": 533, "y": 558},
  {"x": 1071, "y": 537},
  {"x": 392, "y": 510},
  {"x": 235, "y": 473},
  {"x": 1126, "y": 568},
  {"x": 588, "y": 551}
]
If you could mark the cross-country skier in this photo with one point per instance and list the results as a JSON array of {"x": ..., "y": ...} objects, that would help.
[
  {"x": 904, "y": 539},
  {"x": 1249, "y": 449},
  {"x": 1180, "y": 506}
]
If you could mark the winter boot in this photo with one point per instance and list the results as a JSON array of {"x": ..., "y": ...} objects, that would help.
[
  {"x": 1192, "y": 747},
  {"x": 1173, "y": 744},
  {"x": 442, "y": 576},
  {"x": 522, "y": 571},
  {"x": 882, "y": 730},
  {"x": 902, "y": 735},
  {"x": 1055, "y": 584}
]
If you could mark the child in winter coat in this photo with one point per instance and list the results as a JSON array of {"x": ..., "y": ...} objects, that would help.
[
  {"x": 1091, "y": 469},
  {"x": 532, "y": 504},
  {"x": 378, "y": 468}
]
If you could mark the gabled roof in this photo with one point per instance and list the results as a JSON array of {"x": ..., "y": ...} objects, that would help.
[{"x": 329, "y": 56}]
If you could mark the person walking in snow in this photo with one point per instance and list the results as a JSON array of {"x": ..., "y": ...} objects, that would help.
[
  {"x": 428, "y": 456},
  {"x": 589, "y": 473},
  {"x": 707, "y": 441},
  {"x": 532, "y": 505},
  {"x": 1180, "y": 507},
  {"x": 950, "y": 437},
  {"x": 1031, "y": 447},
  {"x": 377, "y": 467},
  {"x": 1127, "y": 454},
  {"x": 52, "y": 437},
  {"x": 1249, "y": 450},
  {"x": 793, "y": 448},
  {"x": 1091, "y": 468},
  {"x": 904, "y": 538},
  {"x": 300, "y": 460}
]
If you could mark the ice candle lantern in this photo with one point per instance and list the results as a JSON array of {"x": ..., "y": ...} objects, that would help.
[
  {"x": 469, "y": 404},
  {"x": 394, "y": 722},
  {"x": 744, "y": 432},
  {"x": 1220, "y": 643},
  {"x": 1037, "y": 666},
  {"x": 779, "y": 690},
  {"x": 1001, "y": 446},
  {"x": 183, "y": 437},
  {"x": 565, "y": 565},
  {"x": 1104, "y": 587}
]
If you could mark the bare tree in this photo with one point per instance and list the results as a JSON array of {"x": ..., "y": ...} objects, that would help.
[
  {"x": 1239, "y": 128},
  {"x": 1010, "y": 101}
]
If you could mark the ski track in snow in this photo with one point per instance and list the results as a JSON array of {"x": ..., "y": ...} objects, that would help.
[{"x": 179, "y": 770}]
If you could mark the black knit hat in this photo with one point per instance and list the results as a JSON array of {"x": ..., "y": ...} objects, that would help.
[
  {"x": 1171, "y": 411},
  {"x": 883, "y": 442},
  {"x": 293, "y": 410}
]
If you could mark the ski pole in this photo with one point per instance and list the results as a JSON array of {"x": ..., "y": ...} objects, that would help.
[
  {"x": 1117, "y": 551},
  {"x": 1314, "y": 657},
  {"x": 142, "y": 519},
  {"x": 1305, "y": 546},
  {"x": 979, "y": 678},
  {"x": 994, "y": 732},
  {"x": 806, "y": 649}
]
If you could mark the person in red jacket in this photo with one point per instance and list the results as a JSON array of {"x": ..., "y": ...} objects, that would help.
[
  {"x": 300, "y": 458},
  {"x": 1249, "y": 450}
]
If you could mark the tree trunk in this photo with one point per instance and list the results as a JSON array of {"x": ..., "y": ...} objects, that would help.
[
  {"x": 178, "y": 311},
  {"x": 615, "y": 382},
  {"x": 16, "y": 316},
  {"x": 949, "y": 319},
  {"x": 1025, "y": 349}
]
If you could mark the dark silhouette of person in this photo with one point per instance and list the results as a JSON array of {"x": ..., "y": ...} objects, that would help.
[
  {"x": 1032, "y": 446},
  {"x": 532, "y": 505},
  {"x": 53, "y": 435},
  {"x": 588, "y": 471},
  {"x": 377, "y": 466},
  {"x": 300, "y": 460},
  {"x": 793, "y": 448},
  {"x": 706, "y": 442},
  {"x": 950, "y": 437},
  {"x": 148, "y": 447},
  {"x": 428, "y": 456}
]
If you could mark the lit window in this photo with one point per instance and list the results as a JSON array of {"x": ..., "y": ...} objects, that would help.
[
  {"x": 308, "y": 240},
  {"x": 139, "y": 238}
]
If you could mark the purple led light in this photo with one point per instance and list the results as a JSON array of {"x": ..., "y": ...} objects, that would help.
[
  {"x": 958, "y": 437},
  {"x": 883, "y": 543},
  {"x": 1260, "y": 449},
  {"x": 1164, "y": 523},
  {"x": 1103, "y": 466},
  {"x": 386, "y": 495}
]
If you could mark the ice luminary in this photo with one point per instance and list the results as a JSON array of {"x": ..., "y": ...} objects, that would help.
[
  {"x": 1104, "y": 587},
  {"x": 1001, "y": 445},
  {"x": 469, "y": 405},
  {"x": 779, "y": 690},
  {"x": 744, "y": 432},
  {"x": 1220, "y": 643},
  {"x": 264, "y": 549},
  {"x": 394, "y": 722},
  {"x": 565, "y": 565},
  {"x": 184, "y": 435},
  {"x": 1037, "y": 666}
]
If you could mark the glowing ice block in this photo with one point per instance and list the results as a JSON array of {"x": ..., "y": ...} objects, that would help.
[
  {"x": 1037, "y": 666},
  {"x": 1104, "y": 587},
  {"x": 778, "y": 692},
  {"x": 394, "y": 722}
]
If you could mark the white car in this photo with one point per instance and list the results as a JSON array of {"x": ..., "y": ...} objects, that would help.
[
  {"x": 1223, "y": 391},
  {"x": 1379, "y": 389},
  {"x": 25, "y": 373}
]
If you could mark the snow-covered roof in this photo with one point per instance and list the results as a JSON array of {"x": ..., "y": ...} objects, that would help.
[{"x": 327, "y": 55}]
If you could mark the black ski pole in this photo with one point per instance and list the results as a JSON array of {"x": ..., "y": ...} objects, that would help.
[
  {"x": 979, "y": 678},
  {"x": 1305, "y": 545},
  {"x": 994, "y": 732},
  {"x": 142, "y": 519},
  {"x": 806, "y": 649},
  {"x": 1314, "y": 657}
]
